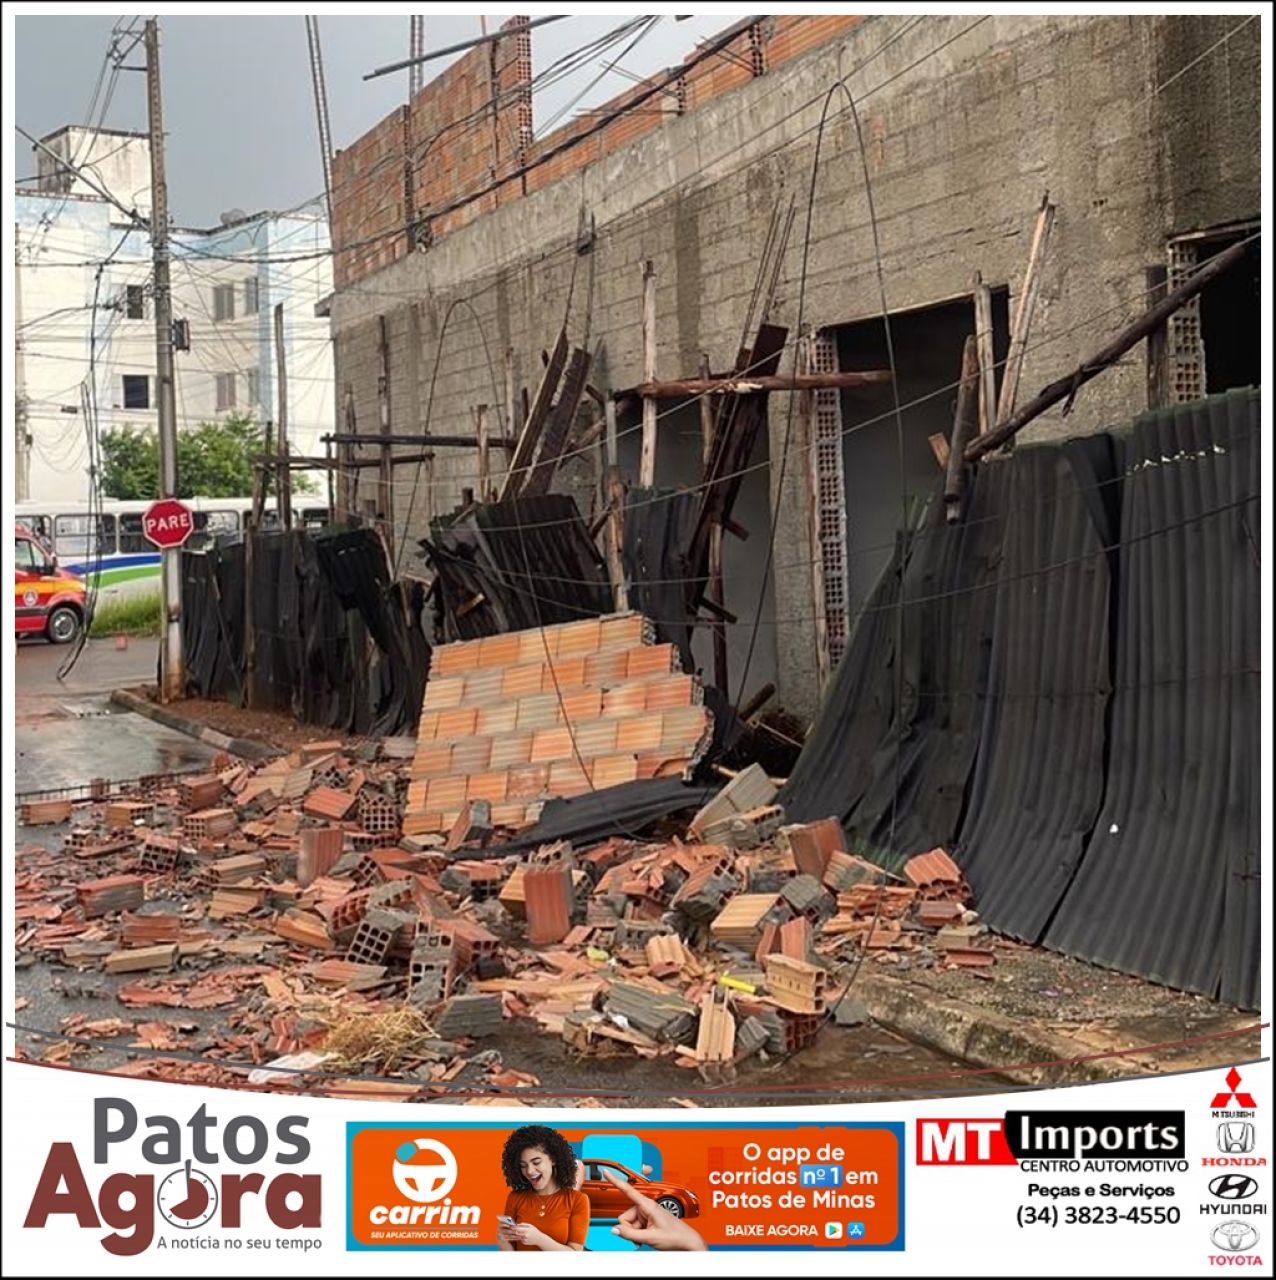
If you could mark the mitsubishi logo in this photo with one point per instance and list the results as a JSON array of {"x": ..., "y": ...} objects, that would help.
[{"x": 1245, "y": 1100}]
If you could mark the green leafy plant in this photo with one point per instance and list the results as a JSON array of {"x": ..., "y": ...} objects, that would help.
[{"x": 214, "y": 460}]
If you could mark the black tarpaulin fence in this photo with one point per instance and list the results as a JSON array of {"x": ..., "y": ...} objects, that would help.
[
  {"x": 1079, "y": 720},
  {"x": 335, "y": 642}
]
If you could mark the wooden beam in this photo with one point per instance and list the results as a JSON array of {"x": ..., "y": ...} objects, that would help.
[
  {"x": 714, "y": 591},
  {"x": 345, "y": 453},
  {"x": 1024, "y": 309},
  {"x": 647, "y": 462},
  {"x": 735, "y": 385},
  {"x": 385, "y": 474},
  {"x": 534, "y": 420},
  {"x": 939, "y": 447},
  {"x": 283, "y": 477},
  {"x": 509, "y": 430},
  {"x": 616, "y": 504},
  {"x": 965, "y": 425},
  {"x": 987, "y": 361},
  {"x": 485, "y": 489},
  {"x": 719, "y": 610},
  {"x": 452, "y": 442},
  {"x": 1068, "y": 386}
]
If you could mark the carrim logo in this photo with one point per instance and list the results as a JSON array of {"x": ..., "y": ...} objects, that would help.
[
  {"x": 1233, "y": 1186},
  {"x": 425, "y": 1181}
]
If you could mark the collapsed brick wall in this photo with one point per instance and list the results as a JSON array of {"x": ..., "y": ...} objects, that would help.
[{"x": 470, "y": 130}]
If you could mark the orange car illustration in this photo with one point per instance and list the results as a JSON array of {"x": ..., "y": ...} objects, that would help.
[{"x": 606, "y": 1201}]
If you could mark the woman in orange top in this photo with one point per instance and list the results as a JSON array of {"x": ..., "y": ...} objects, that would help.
[{"x": 547, "y": 1210}]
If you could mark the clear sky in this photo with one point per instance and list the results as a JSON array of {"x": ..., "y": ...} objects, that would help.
[{"x": 238, "y": 104}]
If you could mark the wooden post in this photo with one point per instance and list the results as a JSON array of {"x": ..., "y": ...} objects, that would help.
[
  {"x": 1066, "y": 388},
  {"x": 714, "y": 587},
  {"x": 283, "y": 480},
  {"x": 987, "y": 361},
  {"x": 615, "y": 521},
  {"x": 647, "y": 464},
  {"x": 965, "y": 425},
  {"x": 347, "y": 475},
  {"x": 1023, "y": 311},
  {"x": 252, "y": 524},
  {"x": 385, "y": 477},
  {"x": 485, "y": 489},
  {"x": 511, "y": 427}
]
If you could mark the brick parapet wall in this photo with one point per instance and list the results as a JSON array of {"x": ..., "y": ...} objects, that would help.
[{"x": 471, "y": 128}]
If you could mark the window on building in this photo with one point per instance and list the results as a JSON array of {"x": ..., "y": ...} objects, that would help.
[
  {"x": 224, "y": 302},
  {"x": 252, "y": 386},
  {"x": 135, "y": 302},
  {"x": 137, "y": 391},
  {"x": 225, "y": 391},
  {"x": 250, "y": 296}
]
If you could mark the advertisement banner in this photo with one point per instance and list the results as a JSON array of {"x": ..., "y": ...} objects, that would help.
[
  {"x": 128, "y": 1177},
  {"x": 724, "y": 1185}
]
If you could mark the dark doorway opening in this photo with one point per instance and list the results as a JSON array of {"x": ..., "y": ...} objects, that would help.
[
  {"x": 928, "y": 344},
  {"x": 1231, "y": 320},
  {"x": 746, "y": 588}
]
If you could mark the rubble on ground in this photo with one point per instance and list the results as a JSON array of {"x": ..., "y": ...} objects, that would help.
[{"x": 339, "y": 952}]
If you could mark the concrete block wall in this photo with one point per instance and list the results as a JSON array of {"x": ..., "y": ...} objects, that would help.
[{"x": 965, "y": 121}]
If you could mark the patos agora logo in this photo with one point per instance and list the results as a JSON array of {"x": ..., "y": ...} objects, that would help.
[{"x": 187, "y": 1181}]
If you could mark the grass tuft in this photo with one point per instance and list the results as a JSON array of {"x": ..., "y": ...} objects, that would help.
[{"x": 130, "y": 616}]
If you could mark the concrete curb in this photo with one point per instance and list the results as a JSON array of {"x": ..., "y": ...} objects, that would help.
[
  {"x": 986, "y": 1039},
  {"x": 245, "y": 748}
]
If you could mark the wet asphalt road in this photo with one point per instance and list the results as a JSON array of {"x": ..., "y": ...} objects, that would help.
[{"x": 68, "y": 732}]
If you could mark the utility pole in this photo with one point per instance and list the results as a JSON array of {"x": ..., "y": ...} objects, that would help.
[
  {"x": 22, "y": 437},
  {"x": 172, "y": 659}
]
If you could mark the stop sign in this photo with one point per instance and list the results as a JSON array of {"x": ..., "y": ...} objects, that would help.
[{"x": 168, "y": 523}]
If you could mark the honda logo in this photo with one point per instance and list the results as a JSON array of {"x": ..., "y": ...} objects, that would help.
[
  {"x": 1236, "y": 1137},
  {"x": 1233, "y": 1186}
]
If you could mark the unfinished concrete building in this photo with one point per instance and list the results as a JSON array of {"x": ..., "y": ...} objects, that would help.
[{"x": 464, "y": 244}]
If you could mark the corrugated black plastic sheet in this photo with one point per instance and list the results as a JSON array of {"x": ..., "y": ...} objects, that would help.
[
  {"x": 1038, "y": 777},
  {"x": 893, "y": 768},
  {"x": 1081, "y": 690},
  {"x": 527, "y": 561},
  {"x": 1169, "y": 886},
  {"x": 658, "y": 527},
  {"x": 335, "y": 640},
  {"x": 622, "y": 810}
]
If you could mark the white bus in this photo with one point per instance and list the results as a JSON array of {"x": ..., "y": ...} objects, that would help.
[{"x": 129, "y": 564}]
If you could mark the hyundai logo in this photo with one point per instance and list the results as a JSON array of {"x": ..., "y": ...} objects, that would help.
[{"x": 1233, "y": 1186}]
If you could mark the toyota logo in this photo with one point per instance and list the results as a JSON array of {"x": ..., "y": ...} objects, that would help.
[
  {"x": 1233, "y": 1186},
  {"x": 1234, "y": 1236}
]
